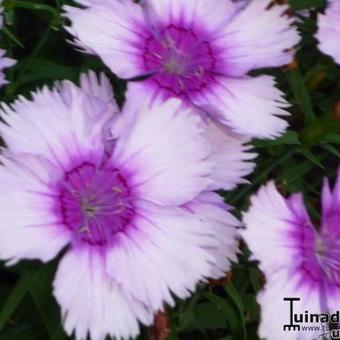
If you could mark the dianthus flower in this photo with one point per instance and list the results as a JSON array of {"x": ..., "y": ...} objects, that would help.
[
  {"x": 299, "y": 262},
  {"x": 329, "y": 30},
  {"x": 126, "y": 195},
  {"x": 197, "y": 50}
]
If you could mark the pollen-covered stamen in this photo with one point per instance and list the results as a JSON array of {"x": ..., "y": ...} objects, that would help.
[{"x": 94, "y": 203}]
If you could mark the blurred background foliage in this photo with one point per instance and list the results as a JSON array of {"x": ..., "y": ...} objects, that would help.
[{"x": 226, "y": 309}]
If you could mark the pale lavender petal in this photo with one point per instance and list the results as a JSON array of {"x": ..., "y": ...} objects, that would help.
[
  {"x": 191, "y": 13},
  {"x": 112, "y": 30},
  {"x": 328, "y": 32},
  {"x": 275, "y": 312},
  {"x": 259, "y": 36},
  {"x": 156, "y": 174},
  {"x": 212, "y": 210},
  {"x": 249, "y": 106},
  {"x": 92, "y": 303},
  {"x": 29, "y": 229},
  {"x": 230, "y": 155},
  {"x": 166, "y": 251},
  {"x": 271, "y": 223},
  {"x": 71, "y": 123}
]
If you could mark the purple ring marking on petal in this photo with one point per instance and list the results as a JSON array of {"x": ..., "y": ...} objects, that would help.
[{"x": 319, "y": 251}]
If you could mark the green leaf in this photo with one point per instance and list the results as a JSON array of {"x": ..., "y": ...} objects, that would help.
[
  {"x": 289, "y": 138},
  {"x": 40, "y": 69},
  {"x": 298, "y": 5},
  {"x": 12, "y": 37},
  {"x": 226, "y": 309},
  {"x": 16, "y": 296},
  {"x": 41, "y": 293},
  {"x": 36, "y": 7},
  {"x": 313, "y": 158},
  {"x": 235, "y": 296},
  {"x": 254, "y": 275},
  {"x": 297, "y": 84},
  {"x": 332, "y": 150},
  {"x": 332, "y": 138}
]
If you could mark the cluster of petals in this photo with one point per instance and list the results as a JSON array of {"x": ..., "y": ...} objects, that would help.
[
  {"x": 128, "y": 195},
  {"x": 199, "y": 51},
  {"x": 298, "y": 259},
  {"x": 328, "y": 33}
]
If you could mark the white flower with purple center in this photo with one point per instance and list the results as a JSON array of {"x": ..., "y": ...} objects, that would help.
[
  {"x": 328, "y": 32},
  {"x": 298, "y": 260},
  {"x": 4, "y": 61},
  {"x": 126, "y": 194},
  {"x": 198, "y": 50}
]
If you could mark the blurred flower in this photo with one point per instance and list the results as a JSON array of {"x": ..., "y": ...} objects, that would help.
[
  {"x": 127, "y": 194},
  {"x": 4, "y": 61},
  {"x": 199, "y": 51},
  {"x": 329, "y": 30},
  {"x": 299, "y": 261}
]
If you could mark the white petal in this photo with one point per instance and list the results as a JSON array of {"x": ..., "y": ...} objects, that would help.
[
  {"x": 163, "y": 151},
  {"x": 113, "y": 31},
  {"x": 232, "y": 161},
  {"x": 329, "y": 31},
  {"x": 258, "y": 37},
  {"x": 275, "y": 312},
  {"x": 165, "y": 251},
  {"x": 249, "y": 106},
  {"x": 61, "y": 125},
  {"x": 91, "y": 302},
  {"x": 207, "y": 16},
  {"x": 29, "y": 228},
  {"x": 211, "y": 209}
]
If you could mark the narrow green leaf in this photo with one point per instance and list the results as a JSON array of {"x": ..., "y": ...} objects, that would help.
[
  {"x": 286, "y": 155},
  {"x": 235, "y": 296},
  {"x": 313, "y": 158},
  {"x": 41, "y": 293},
  {"x": 331, "y": 149},
  {"x": 254, "y": 275},
  {"x": 289, "y": 138},
  {"x": 12, "y": 37},
  {"x": 227, "y": 310},
  {"x": 332, "y": 138},
  {"x": 298, "y": 5},
  {"x": 298, "y": 87},
  {"x": 16, "y": 296},
  {"x": 36, "y": 7}
]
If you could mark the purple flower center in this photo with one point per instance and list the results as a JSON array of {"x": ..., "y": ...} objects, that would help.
[
  {"x": 180, "y": 60},
  {"x": 94, "y": 203},
  {"x": 327, "y": 252},
  {"x": 320, "y": 252}
]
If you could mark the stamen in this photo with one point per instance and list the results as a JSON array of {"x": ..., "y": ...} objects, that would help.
[
  {"x": 83, "y": 230},
  {"x": 199, "y": 72},
  {"x": 97, "y": 208},
  {"x": 181, "y": 84}
]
